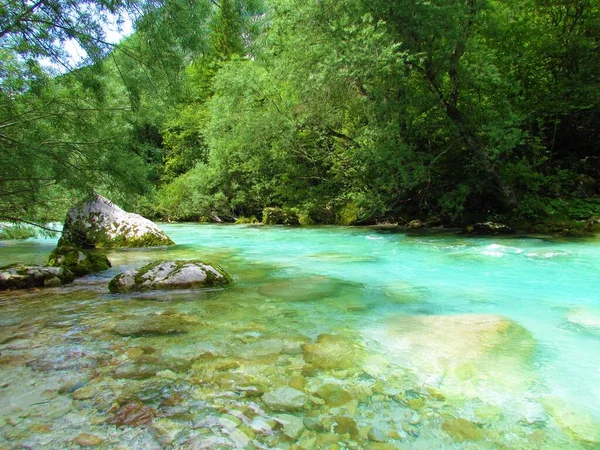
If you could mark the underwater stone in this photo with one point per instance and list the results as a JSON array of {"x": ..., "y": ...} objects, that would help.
[
  {"x": 97, "y": 222},
  {"x": 462, "y": 430},
  {"x": 292, "y": 425},
  {"x": 377, "y": 435},
  {"x": 170, "y": 275},
  {"x": 588, "y": 319},
  {"x": 78, "y": 261},
  {"x": 152, "y": 325},
  {"x": 345, "y": 425},
  {"x": 475, "y": 347},
  {"x": 88, "y": 440},
  {"x": 333, "y": 395},
  {"x": 576, "y": 422},
  {"x": 331, "y": 352},
  {"x": 285, "y": 399},
  {"x": 133, "y": 415}
]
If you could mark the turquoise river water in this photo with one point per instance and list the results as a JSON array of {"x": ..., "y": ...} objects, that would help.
[{"x": 329, "y": 338}]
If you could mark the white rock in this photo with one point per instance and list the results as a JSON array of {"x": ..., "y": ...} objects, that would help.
[{"x": 100, "y": 223}]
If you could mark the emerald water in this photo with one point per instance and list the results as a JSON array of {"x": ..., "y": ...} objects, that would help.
[{"x": 330, "y": 337}]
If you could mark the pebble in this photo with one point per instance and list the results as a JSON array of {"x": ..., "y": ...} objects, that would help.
[
  {"x": 285, "y": 399},
  {"x": 74, "y": 384},
  {"x": 415, "y": 419},
  {"x": 377, "y": 435},
  {"x": 345, "y": 425},
  {"x": 297, "y": 382},
  {"x": 293, "y": 426},
  {"x": 168, "y": 374},
  {"x": 333, "y": 395},
  {"x": 259, "y": 424},
  {"x": 88, "y": 440}
]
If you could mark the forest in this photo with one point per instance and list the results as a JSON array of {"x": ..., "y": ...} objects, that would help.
[{"x": 337, "y": 111}]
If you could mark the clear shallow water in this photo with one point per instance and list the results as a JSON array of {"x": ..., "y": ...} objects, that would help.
[{"x": 427, "y": 342}]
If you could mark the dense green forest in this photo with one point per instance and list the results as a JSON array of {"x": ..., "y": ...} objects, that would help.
[{"x": 339, "y": 111}]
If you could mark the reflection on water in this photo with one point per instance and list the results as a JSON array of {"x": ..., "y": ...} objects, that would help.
[{"x": 329, "y": 338}]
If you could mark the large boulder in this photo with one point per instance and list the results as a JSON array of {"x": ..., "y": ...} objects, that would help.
[
  {"x": 97, "y": 222},
  {"x": 18, "y": 276},
  {"x": 78, "y": 261},
  {"x": 170, "y": 275}
]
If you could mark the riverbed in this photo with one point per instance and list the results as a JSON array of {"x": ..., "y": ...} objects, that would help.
[{"x": 329, "y": 337}]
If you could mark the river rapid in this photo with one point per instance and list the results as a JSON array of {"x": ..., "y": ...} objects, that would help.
[{"x": 329, "y": 338}]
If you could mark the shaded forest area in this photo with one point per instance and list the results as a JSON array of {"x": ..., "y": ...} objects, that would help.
[{"x": 339, "y": 111}]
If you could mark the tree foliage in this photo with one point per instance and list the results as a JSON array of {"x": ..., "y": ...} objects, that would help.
[{"x": 348, "y": 111}]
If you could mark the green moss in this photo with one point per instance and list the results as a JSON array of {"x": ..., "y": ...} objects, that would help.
[{"x": 78, "y": 261}]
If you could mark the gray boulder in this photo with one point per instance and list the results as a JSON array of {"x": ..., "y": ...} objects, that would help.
[
  {"x": 170, "y": 275},
  {"x": 97, "y": 222},
  {"x": 18, "y": 276}
]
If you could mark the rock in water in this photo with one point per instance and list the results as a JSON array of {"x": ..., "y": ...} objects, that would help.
[
  {"x": 170, "y": 275},
  {"x": 99, "y": 223},
  {"x": 17, "y": 276},
  {"x": 489, "y": 228},
  {"x": 285, "y": 399},
  {"x": 78, "y": 261}
]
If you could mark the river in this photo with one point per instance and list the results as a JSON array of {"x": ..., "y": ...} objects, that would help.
[{"x": 330, "y": 337}]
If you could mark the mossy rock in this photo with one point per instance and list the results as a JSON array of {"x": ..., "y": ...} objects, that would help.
[
  {"x": 18, "y": 276},
  {"x": 280, "y": 216},
  {"x": 78, "y": 261},
  {"x": 99, "y": 223},
  {"x": 170, "y": 275},
  {"x": 332, "y": 352}
]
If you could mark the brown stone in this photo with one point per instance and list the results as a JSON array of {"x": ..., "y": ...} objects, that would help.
[
  {"x": 462, "y": 430},
  {"x": 345, "y": 425},
  {"x": 88, "y": 440},
  {"x": 133, "y": 415}
]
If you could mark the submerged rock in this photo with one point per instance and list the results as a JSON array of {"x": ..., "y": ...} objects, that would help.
[
  {"x": 153, "y": 325},
  {"x": 331, "y": 352},
  {"x": 18, "y": 276},
  {"x": 574, "y": 421},
  {"x": 462, "y": 430},
  {"x": 587, "y": 319},
  {"x": 306, "y": 289},
  {"x": 293, "y": 426},
  {"x": 170, "y": 275},
  {"x": 133, "y": 415},
  {"x": 78, "y": 261},
  {"x": 472, "y": 354},
  {"x": 99, "y": 223},
  {"x": 285, "y": 399},
  {"x": 88, "y": 440},
  {"x": 333, "y": 395}
]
